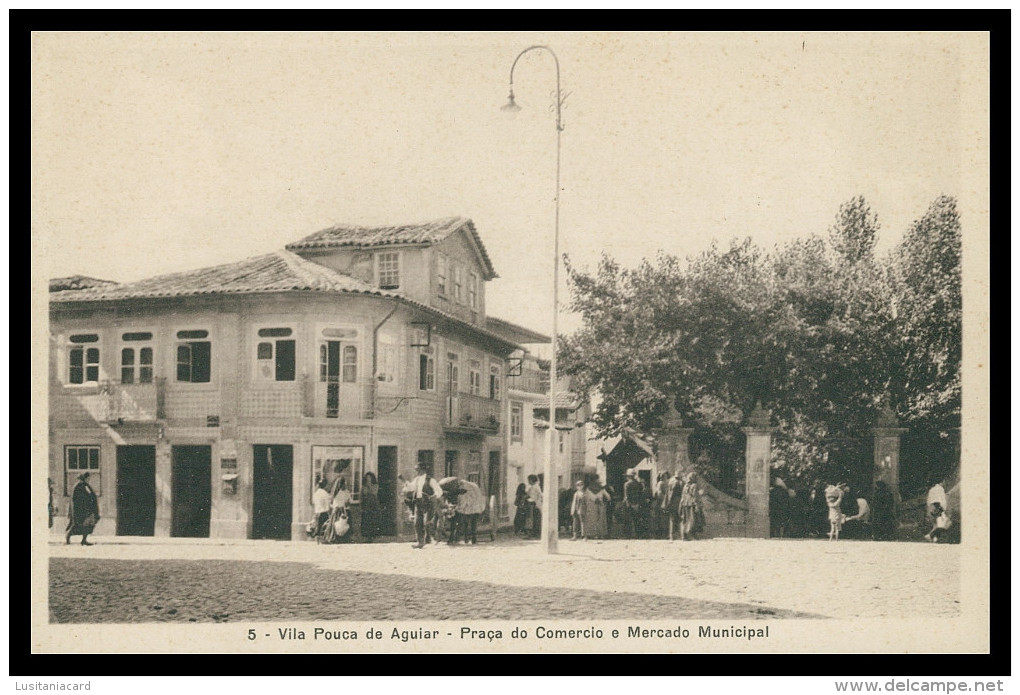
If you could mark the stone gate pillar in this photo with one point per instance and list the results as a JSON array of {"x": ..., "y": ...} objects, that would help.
[
  {"x": 756, "y": 474},
  {"x": 671, "y": 444},
  {"x": 887, "y": 452}
]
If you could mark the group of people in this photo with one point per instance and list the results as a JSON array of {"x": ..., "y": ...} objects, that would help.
[
  {"x": 331, "y": 505},
  {"x": 840, "y": 511},
  {"x": 453, "y": 503},
  {"x": 831, "y": 510},
  {"x": 528, "y": 509},
  {"x": 676, "y": 509},
  {"x": 672, "y": 509}
]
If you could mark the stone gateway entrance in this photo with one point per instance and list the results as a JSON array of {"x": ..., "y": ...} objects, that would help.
[{"x": 725, "y": 515}]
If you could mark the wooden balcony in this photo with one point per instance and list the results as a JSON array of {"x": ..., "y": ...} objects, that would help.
[{"x": 467, "y": 414}]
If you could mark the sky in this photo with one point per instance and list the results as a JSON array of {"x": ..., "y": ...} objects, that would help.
[{"x": 155, "y": 153}]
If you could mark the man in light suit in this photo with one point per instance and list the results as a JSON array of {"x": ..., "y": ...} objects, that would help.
[{"x": 425, "y": 491}]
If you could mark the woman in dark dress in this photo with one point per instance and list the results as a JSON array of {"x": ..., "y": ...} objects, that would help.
[
  {"x": 370, "y": 511},
  {"x": 521, "y": 516},
  {"x": 84, "y": 512}
]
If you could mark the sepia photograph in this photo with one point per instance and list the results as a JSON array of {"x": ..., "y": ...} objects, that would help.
[{"x": 510, "y": 342}]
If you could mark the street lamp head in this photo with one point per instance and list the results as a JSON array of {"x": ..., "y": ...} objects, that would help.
[{"x": 510, "y": 106}]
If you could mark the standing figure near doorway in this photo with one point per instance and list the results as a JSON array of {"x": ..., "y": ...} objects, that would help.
[
  {"x": 320, "y": 505},
  {"x": 49, "y": 507},
  {"x": 84, "y": 512},
  {"x": 634, "y": 505},
  {"x": 521, "y": 513},
  {"x": 370, "y": 511},
  {"x": 339, "y": 525},
  {"x": 534, "y": 493}
]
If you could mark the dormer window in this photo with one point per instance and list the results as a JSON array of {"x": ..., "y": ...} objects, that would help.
[{"x": 388, "y": 270}]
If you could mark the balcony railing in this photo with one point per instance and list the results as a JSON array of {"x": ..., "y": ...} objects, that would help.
[
  {"x": 333, "y": 399},
  {"x": 530, "y": 380},
  {"x": 113, "y": 401},
  {"x": 470, "y": 414}
]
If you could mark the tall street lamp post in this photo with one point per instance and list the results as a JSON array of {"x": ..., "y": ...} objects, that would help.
[{"x": 550, "y": 496}]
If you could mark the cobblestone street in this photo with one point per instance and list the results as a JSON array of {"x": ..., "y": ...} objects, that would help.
[{"x": 131, "y": 580}]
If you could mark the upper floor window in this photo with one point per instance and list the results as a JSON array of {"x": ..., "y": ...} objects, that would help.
[
  {"x": 453, "y": 373},
  {"x": 275, "y": 355},
  {"x": 426, "y": 370},
  {"x": 136, "y": 358},
  {"x": 83, "y": 359},
  {"x": 194, "y": 357},
  {"x": 517, "y": 422},
  {"x": 495, "y": 382},
  {"x": 387, "y": 370},
  {"x": 442, "y": 269},
  {"x": 472, "y": 290},
  {"x": 336, "y": 364},
  {"x": 475, "y": 369},
  {"x": 350, "y": 364},
  {"x": 388, "y": 270}
]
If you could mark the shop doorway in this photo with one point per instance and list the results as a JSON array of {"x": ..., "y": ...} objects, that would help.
[
  {"x": 191, "y": 491},
  {"x": 388, "y": 490},
  {"x": 136, "y": 490},
  {"x": 272, "y": 491}
]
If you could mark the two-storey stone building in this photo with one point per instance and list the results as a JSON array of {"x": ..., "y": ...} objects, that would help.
[
  {"x": 528, "y": 418},
  {"x": 208, "y": 402}
]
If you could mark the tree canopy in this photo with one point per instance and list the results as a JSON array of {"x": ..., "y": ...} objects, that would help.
[{"x": 819, "y": 330}]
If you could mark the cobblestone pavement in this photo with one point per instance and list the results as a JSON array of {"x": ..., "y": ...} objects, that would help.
[
  {"x": 118, "y": 591},
  {"x": 215, "y": 580}
]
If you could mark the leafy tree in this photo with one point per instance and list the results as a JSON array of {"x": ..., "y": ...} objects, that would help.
[
  {"x": 855, "y": 232},
  {"x": 926, "y": 380},
  {"x": 814, "y": 329},
  {"x": 929, "y": 300}
]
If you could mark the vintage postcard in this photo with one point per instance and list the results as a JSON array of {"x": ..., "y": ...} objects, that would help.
[{"x": 298, "y": 292}]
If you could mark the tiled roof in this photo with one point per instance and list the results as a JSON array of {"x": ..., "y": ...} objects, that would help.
[
  {"x": 77, "y": 282},
  {"x": 564, "y": 399},
  {"x": 277, "y": 271},
  {"x": 515, "y": 332},
  {"x": 426, "y": 233},
  {"x": 280, "y": 271}
]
